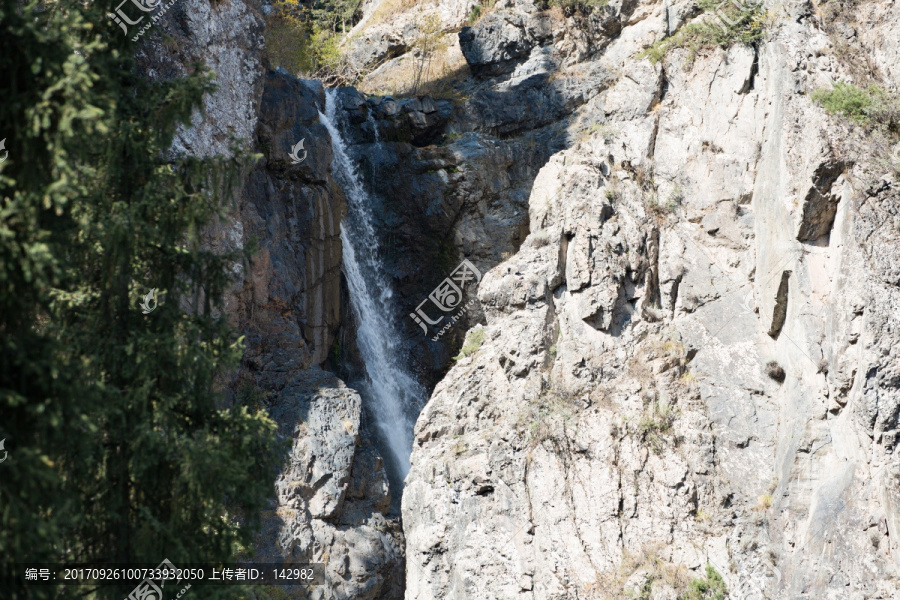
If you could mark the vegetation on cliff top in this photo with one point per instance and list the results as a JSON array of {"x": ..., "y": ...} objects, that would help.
[
  {"x": 305, "y": 37},
  {"x": 874, "y": 109}
]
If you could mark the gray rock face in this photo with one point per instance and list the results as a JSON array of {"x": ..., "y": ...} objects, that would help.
[
  {"x": 497, "y": 42},
  {"x": 418, "y": 121},
  {"x": 290, "y": 310},
  {"x": 689, "y": 306},
  {"x": 389, "y": 29},
  {"x": 691, "y": 358},
  {"x": 225, "y": 37},
  {"x": 332, "y": 496}
]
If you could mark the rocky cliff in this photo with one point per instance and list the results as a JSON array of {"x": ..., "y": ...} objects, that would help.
[
  {"x": 331, "y": 502},
  {"x": 691, "y": 360},
  {"x": 681, "y": 368}
]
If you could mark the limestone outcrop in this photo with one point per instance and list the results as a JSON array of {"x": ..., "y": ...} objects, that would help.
[
  {"x": 690, "y": 360},
  {"x": 332, "y": 496}
]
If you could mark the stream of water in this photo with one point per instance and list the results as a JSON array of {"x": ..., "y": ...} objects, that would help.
[{"x": 391, "y": 394}]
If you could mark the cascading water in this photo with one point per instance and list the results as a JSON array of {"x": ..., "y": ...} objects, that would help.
[{"x": 391, "y": 393}]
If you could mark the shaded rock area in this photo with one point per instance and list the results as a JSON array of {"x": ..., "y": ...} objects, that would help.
[
  {"x": 415, "y": 121},
  {"x": 438, "y": 196},
  {"x": 503, "y": 38},
  {"x": 332, "y": 497},
  {"x": 289, "y": 306}
]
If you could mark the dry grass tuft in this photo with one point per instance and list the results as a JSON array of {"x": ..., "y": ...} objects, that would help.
[
  {"x": 657, "y": 573},
  {"x": 388, "y": 9}
]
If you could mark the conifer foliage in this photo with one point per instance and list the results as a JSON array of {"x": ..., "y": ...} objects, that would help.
[{"x": 119, "y": 448}]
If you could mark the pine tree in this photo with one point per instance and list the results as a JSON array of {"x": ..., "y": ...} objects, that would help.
[{"x": 119, "y": 447}]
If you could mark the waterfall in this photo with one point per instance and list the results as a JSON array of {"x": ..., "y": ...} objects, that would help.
[
  {"x": 392, "y": 395},
  {"x": 371, "y": 121}
]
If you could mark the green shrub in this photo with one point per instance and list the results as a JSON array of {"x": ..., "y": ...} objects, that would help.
[
  {"x": 475, "y": 14},
  {"x": 121, "y": 446},
  {"x": 451, "y": 137},
  {"x": 611, "y": 192},
  {"x": 325, "y": 48},
  {"x": 745, "y": 27},
  {"x": 296, "y": 43},
  {"x": 473, "y": 342},
  {"x": 676, "y": 196},
  {"x": 711, "y": 587},
  {"x": 601, "y": 130},
  {"x": 862, "y": 105},
  {"x": 288, "y": 45},
  {"x": 661, "y": 207}
]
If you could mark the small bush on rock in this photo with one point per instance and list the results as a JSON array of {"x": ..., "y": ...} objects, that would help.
[
  {"x": 601, "y": 130},
  {"x": 865, "y": 106},
  {"x": 711, "y": 587},
  {"x": 548, "y": 415},
  {"x": 661, "y": 207},
  {"x": 658, "y": 576},
  {"x": 742, "y": 26},
  {"x": 656, "y": 423},
  {"x": 764, "y": 502},
  {"x": 479, "y": 10},
  {"x": 539, "y": 239},
  {"x": 473, "y": 342}
]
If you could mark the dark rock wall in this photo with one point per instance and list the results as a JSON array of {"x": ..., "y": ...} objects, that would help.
[{"x": 290, "y": 303}]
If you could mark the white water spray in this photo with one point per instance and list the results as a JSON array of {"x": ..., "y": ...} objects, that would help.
[{"x": 395, "y": 396}]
